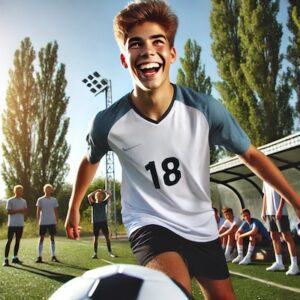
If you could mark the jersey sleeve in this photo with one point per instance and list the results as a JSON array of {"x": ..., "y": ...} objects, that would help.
[
  {"x": 96, "y": 140},
  {"x": 225, "y": 130}
]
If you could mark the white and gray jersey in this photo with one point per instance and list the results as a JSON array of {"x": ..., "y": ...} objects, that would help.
[
  {"x": 13, "y": 204},
  {"x": 165, "y": 163},
  {"x": 272, "y": 201},
  {"x": 47, "y": 206},
  {"x": 236, "y": 221}
]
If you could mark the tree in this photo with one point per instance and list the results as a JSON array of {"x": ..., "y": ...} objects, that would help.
[
  {"x": 34, "y": 123},
  {"x": 293, "y": 49},
  {"x": 18, "y": 121},
  {"x": 246, "y": 42},
  {"x": 192, "y": 74},
  {"x": 52, "y": 149}
]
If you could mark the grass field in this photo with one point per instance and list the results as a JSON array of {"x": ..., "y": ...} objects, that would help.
[{"x": 38, "y": 281}]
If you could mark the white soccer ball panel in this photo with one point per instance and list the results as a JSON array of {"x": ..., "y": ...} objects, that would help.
[
  {"x": 99, "y": 283},
  {"x": 75, "y": 289}
]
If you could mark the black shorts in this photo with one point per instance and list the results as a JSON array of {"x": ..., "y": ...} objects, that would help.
[
  {"x": 50, "y": 228},
  {"x": 203, "y": 259},
  {"x": 100, "y": 226},
  {"x": 282, "y": 225}
]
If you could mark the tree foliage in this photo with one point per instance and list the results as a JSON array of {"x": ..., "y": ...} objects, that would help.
[
  {"x": 246, "y": 43},
  {"x": 34, "y": 123},
  {"x": 192, "y": 74},
  {"x": 293, "y": 49}
]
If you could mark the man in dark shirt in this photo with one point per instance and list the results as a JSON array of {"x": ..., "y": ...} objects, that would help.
[
  {"x": 98, "y": 201},
  {"x": 256, "y": 232}
]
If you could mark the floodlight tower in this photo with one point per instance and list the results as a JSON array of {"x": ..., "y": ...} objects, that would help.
[{"x": 97, "y": 84}]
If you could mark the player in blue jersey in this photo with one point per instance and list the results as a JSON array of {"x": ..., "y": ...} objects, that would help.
[
  {"x": 98, "y": 201},
  {"x": 257, "y": 234},
  {"x": 162, "y": 134}
]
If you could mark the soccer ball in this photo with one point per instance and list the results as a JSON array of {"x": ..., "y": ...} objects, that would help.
[{"x": 120, "y": 282}]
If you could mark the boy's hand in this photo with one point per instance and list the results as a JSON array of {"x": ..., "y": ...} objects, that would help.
[{"x": 71, "y": 224}]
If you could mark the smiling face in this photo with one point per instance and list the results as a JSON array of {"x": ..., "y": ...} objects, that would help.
[
  {"x": 246, "y": 216},
  {"x": 148, "y": 56}
]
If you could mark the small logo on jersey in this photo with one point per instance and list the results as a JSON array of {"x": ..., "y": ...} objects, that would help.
[{"x": 130, "y": 148}]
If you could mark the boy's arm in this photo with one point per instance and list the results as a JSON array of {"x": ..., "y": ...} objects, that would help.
[
  {"x": 264, "y": 168},
  {"x": 38, "y": 211},
  {"x": 56, "y": 214},
  {"x": 263, "y": 208},
  {"x": 279, "y": 209},
  {"x": 85, "y": 174}
]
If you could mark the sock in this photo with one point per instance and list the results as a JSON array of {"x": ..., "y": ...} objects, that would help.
[
  {"x": 228, "y": 250},
  {"x": 278, "y": 258},
  {"x": 250, "y": 250},
  {"x": 294, "y": 261},
  {"x": 40, "y": 249},
  {"x": 52, "y": 248},
  {"x": 240, "y": 250}
]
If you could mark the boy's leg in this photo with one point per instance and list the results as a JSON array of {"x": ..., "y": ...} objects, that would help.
[
  {"x": 19, "y": 233},
  {"x": 253, "y": 240},
  {"x": 240, "y": 250},
  {"x": 96, "y": 230},
  {"x": 40, "y": 248},
  {"x": 10, "y": 235},
  {"x": 172, "y": 264},
  {"x": 216, "y": 289},
  {"x": 278, "y": 264},
  {"x": 293, "y": 269},
  {"x": 52, "y": 233}
]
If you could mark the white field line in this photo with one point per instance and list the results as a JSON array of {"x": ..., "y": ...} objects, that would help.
[
  {"x": 107, "y": 261},
  {"x": 296, "y": 290}
]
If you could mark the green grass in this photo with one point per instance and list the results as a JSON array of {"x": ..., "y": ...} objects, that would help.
[{"x": 39, "y": 281}]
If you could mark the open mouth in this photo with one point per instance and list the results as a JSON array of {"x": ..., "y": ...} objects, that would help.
[{"x": 149, "y": 69}]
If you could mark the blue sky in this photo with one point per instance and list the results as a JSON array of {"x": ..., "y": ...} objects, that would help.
[{"x": 83, "y": 30}]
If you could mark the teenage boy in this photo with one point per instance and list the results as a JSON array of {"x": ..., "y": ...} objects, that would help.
[
  {"x": 227, "y": 232},
  {"x": 47, "y": 216},
  {"x": 161, "y": 133},
  {"x": 98, "y": 201},
  {"x": 274, "y": 211},
  {"x": 255, "y": 231},
  {"x": 16, "y": 209}
]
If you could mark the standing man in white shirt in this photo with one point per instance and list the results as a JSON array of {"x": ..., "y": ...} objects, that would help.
[
  {"x": 16, "y": 209},
  {"x": 47, "y": 216},
  {"x": 274, "y": 211}
]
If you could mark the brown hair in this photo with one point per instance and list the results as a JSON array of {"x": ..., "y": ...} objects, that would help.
[
  {"x": 245, "y": 210},
  {"x": 227, "y": 210},
  {"x": 141, "y": 11}
]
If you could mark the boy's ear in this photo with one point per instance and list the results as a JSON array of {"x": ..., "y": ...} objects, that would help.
[
  {"x": 123, "y": 61},
  {"x": 173, "y": 55}
]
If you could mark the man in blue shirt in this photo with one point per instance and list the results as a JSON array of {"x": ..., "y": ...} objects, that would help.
[{"x": 256, "y": 232}]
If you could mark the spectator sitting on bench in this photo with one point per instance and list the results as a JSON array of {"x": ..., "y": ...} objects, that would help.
[
  {"x": 256, "y": 232},
  {"x": 227, "y": 232}
]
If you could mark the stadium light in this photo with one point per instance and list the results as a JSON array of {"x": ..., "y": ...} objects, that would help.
[{"x": 98, "y": 84}]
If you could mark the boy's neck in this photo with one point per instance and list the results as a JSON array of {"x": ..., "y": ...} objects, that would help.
[{"x": 153, "y": 104}]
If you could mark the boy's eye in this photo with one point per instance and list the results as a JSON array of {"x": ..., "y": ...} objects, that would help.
[
  {"x": 134, "y": 45},
  {"x": 158, "y": 42}
]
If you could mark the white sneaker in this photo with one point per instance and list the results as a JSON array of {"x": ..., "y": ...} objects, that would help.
[
  {"x": 245, "y": 261},
  {"x": 228, "y": 257},
  {"x": 293, "y": 270},
  {"x": 238, "y": 259},
  {"x": 111, "y": 254},
  {"x": 276, "y": 267}
]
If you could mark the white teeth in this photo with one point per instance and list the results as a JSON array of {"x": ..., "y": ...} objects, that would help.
[{"x": 149, "y": 66}]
